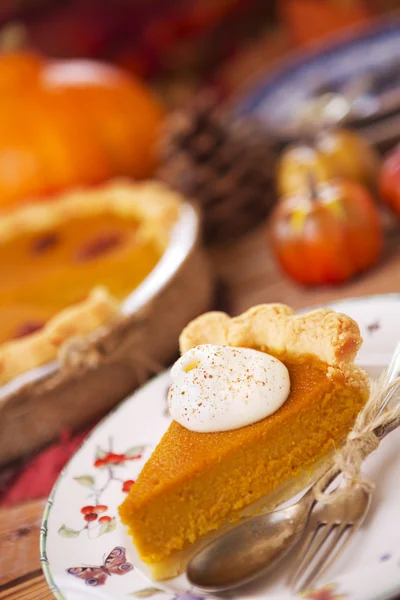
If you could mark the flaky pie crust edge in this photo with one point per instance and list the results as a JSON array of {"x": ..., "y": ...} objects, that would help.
[{"x": 328, "y": 336}]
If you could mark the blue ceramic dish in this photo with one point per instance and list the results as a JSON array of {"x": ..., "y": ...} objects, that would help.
[{"x": 373, "y": 52}]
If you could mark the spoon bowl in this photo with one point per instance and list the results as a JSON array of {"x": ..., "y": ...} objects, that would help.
[{"x": 249, "y": 549}]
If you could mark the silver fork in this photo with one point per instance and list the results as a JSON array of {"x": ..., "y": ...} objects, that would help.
[
  {"x": 329, "y": 530},
  {"x": 331, "y": 526}
]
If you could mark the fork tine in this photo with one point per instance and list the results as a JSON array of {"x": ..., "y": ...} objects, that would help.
[
  {"x": 335, "y": 534},
  {"x": 350, "y": 530},
  {"x": 312, "y": 543},
  {"x": 301, "y": 554}
]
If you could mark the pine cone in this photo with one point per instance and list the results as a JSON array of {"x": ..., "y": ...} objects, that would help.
[{"x": 225, "y": 166}]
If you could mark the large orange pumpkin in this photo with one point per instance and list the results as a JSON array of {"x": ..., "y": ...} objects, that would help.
[{"x": 67, "y": 123}]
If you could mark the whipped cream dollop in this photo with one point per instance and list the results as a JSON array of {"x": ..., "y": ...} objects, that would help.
[{"x": 219, "y": 388}]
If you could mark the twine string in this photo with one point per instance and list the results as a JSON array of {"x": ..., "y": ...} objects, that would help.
[
  {"x": 80, "y": 353},
  {"x": 378, "y": 413}
]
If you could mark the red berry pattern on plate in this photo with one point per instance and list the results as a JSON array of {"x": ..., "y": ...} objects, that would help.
[
  {"x": 115, "y": 459},
  {"x": 90, "y": 517},
  {"x": 126, "y": 486},
  {"x": 96, "y": 520},
  {"x": 105, "y": 519},
  {"x": 85, "y": 510}
]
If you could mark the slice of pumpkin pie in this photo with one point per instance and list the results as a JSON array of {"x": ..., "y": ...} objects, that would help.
[{"x": 257, "y": 402}]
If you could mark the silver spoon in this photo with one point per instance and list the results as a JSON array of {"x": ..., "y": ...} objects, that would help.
[{"x": 253, "y": 547}]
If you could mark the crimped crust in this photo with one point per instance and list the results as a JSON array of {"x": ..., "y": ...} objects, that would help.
[
  {"x": 332, "y": 338},
  {"x": 156, "y": 208},
  {"x": 18, "y": 356}
]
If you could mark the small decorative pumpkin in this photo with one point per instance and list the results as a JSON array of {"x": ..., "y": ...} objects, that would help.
[
  {"x": 68, "y": 123},
  {"x": 389, "y": 183},
  {"x": 335, "y": 153},
  {"x": 327, "y": 234}
]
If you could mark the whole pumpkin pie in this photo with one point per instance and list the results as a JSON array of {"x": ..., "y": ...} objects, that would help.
[
  {"x": 66, "y": 266},
  {"x": 195, "y": 482}
]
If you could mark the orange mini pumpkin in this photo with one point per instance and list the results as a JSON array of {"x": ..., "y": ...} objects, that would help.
[
  {"x": 327, "y": 234},
  {"x": 69, "y": 123},
  {"x": 336, "y": 153}
]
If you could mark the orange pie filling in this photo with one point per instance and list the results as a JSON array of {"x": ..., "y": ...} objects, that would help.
[{"x": 46, "y": 271}]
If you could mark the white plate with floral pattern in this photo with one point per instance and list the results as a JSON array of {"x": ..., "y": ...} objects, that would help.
[{"x": 86, "y": 554}]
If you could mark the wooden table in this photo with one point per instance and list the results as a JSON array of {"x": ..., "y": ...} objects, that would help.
[{"x": 249, "y": 277}]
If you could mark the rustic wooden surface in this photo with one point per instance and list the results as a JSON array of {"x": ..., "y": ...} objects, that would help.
[
  {"x": 249, "y": 276},
  {"x": 21, "y": 576}
]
